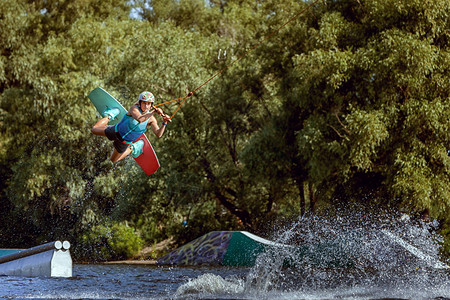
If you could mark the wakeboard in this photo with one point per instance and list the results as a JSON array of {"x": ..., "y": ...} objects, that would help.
[{"x": 102, "y": 100}]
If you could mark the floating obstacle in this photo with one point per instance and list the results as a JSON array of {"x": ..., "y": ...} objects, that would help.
[
  {"x": 48, "y": 260},
  {"x": 241, "y": 248}
]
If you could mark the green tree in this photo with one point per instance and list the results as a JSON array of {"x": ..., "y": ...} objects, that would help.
[
  {"x": 379, "y": 104},
  {"x": 53, "y": 53},
  {"x": 347, "y": 103}
]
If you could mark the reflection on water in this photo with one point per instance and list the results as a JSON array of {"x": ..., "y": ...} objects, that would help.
[
  {"x": 110, "y": 282},
  {"x": 391, "y": 257}
]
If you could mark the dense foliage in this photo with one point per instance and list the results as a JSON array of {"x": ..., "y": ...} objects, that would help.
[{"x": 349, "y": 103}]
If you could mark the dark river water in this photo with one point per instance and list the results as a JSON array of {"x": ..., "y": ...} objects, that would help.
[
  {"x": 391, "y": 258},
  {"x": 150, "y": 282}
]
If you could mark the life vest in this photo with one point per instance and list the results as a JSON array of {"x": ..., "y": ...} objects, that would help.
[{"x": 130, "y": 129}]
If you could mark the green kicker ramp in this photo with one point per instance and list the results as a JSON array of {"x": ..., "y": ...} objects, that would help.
[{"x": 241, "y": 248}]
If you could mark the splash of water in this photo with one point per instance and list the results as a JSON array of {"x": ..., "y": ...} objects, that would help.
[
  {"x": 355, "y": 256},
  {"x": 385, "y": 250},
  {"x": 210, "y": 284}
]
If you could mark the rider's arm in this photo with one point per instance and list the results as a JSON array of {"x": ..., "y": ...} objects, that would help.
[
  {"x": 138, "y": 116},
  {"x": 153, "y": 123}
]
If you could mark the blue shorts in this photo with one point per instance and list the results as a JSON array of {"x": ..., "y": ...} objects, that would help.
[{"x": 119, "y": 144}]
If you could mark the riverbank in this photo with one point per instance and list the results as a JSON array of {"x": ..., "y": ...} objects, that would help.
[
  {"x": 131, "y": 262},
  {"x": 148, "y": 255}
]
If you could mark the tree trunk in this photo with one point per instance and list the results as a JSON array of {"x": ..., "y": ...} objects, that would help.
[
  {"x": 244, "y": 216},
  {"x": 301, "y": 189},
  {"x": 312, "y": 198}
]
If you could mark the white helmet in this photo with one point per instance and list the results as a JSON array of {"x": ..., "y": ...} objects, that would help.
[{"x": 147, "y": 97}]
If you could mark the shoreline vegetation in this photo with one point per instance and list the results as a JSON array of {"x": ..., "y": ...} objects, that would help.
[{"x": 345, "y": 108}]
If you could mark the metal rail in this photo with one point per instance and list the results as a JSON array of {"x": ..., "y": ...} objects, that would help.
[{"x": 57, "y": 245}]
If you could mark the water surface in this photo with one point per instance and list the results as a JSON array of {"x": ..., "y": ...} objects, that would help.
[
  {"x": 391, "y": 258},
  {"x": 150, "y": 282}
]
